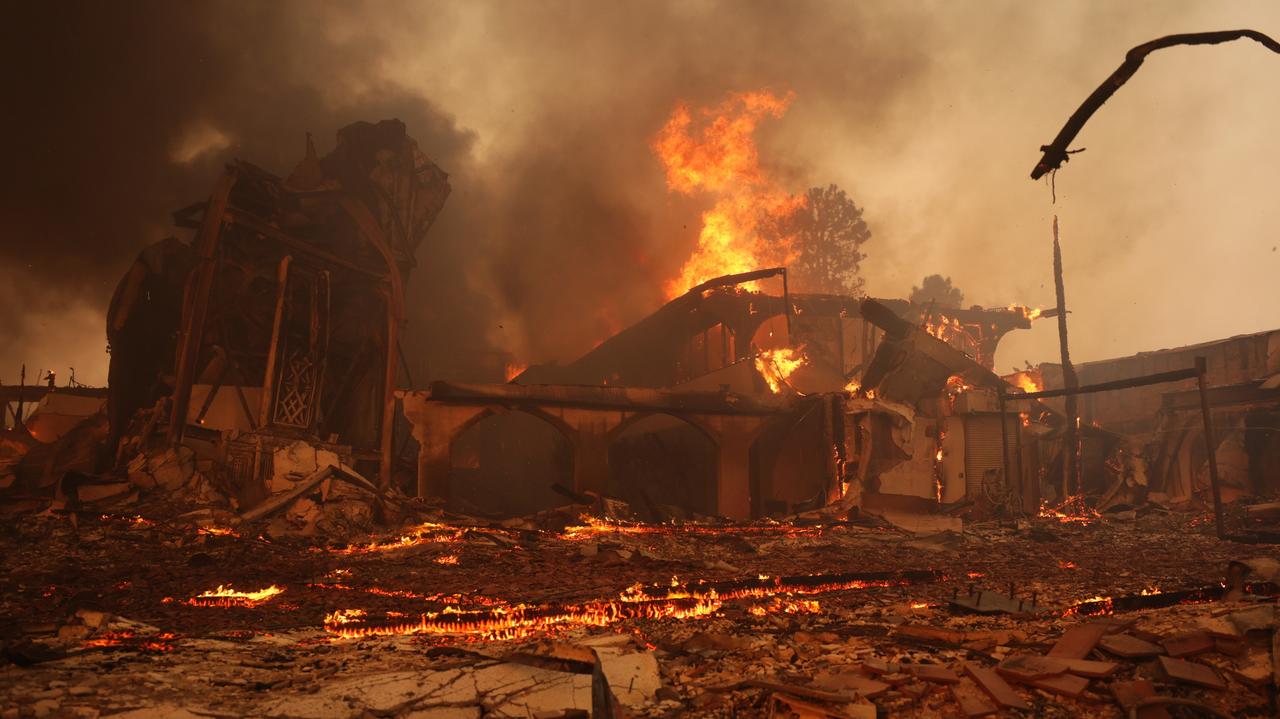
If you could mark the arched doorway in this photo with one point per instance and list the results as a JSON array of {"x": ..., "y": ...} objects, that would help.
[
  {"x": 660, "y": 459},
  {"x": 505, "y": 464},
  {"x": 790, "y": 460}
]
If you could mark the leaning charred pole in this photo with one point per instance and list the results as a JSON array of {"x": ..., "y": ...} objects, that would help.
[
  {"x": 1070, "y": 438},
  {"x": 1056, "y": 153}
]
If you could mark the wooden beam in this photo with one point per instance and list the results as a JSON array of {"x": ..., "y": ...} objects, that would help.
[{"x": 197, "y": 308}]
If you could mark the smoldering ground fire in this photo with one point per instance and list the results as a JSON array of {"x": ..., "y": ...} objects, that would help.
[{"x": 408, "y": 419}]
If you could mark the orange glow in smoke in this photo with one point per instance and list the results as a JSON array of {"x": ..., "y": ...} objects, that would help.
[
  {"x": 513, "y": 370},
  {"x": 713, "y": 150},
  {"x": 776, "y": 366}
]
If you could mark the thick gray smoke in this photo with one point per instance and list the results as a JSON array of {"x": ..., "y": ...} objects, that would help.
[{"x": 560, "y": 229}]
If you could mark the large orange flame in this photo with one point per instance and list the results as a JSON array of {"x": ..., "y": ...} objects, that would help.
[
  {"x": 716, "y": 154},
  {"x": 777, "y": 366}
]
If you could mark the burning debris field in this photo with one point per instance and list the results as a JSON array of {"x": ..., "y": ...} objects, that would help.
[{"x": 349, "y": 455}]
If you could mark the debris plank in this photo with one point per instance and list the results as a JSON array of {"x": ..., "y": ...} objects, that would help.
[
  {"x": 995, "y": 686},
  {"x": 1188, "y": 643},
  {"x": 1128, "y": 646},
  {"x": 1066, "y": 684},
  {"x": 1191, "y": 673},
  {"x": 1078, "y": 641},
  {"x": 1025, "y": 667},
  {"x": 1127, "y": 694},
  {"x": 972, "y": 702},
  {"x": 1091, "y": 668},
  {"x": 934, "y": 673}
]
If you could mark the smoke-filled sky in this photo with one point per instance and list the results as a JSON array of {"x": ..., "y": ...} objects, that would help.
[{"x": 560, "y": 229}]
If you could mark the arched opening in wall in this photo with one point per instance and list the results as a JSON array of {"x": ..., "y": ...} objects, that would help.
[
  {"x": 771, "y": 334},
  {"x": 663, "y": 460},
  {"x": 790, "y": 462},
  {"x": 505, "y": 464}
]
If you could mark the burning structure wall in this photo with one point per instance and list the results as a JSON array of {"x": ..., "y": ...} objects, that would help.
[{"x": 742, "y": 396}]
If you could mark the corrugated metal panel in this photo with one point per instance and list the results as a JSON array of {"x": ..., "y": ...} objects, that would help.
[{"x": 982, "y": 449}]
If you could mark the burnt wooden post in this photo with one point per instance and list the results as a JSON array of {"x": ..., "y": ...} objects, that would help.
[
  {"x": 22, "y": 382},
  {"x": 1210, "y": 447},
  {"x": 1004, "y": 436},
  {"x": 198, "y": 306},
  {"x": 1070, "y": 438},
  {"x": 269, "y": 376}
]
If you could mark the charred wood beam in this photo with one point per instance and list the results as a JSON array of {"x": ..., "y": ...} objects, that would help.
[
  {"x": 368, "y": 224},
  {"x": 197, "y": 309},
  {"x": 248, "y": 221},
  {"x": 1143, "y": 381},
  {"x": 1056, "y": 153},
  {"x": 1251, "y": 393},
  {"x": 1211, "y": 447},
  {"x": 1071, "y": 439}
]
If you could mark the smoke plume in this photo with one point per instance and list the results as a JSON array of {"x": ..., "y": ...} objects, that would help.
[{"x": 560, "y": 229}]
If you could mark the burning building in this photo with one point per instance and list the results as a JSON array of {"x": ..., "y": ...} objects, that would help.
[{"x": 772, "y": 496}]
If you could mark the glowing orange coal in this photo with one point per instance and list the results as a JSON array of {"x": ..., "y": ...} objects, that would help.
[{"x": 713, "y": 151}]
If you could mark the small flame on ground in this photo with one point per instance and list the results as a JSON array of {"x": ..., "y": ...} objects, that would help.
[
  {"x": 447, "y": 559},
  {"x": 595, "y": 526},
  {"x": 1072, "y": 511},
  {"x": 226, "y": 596},
  {"x": 424, "y": 533},
  {"x": 678, "y": 600}
]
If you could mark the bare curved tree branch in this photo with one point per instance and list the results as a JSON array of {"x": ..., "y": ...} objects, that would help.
[{"x": 1055, "y": 153}]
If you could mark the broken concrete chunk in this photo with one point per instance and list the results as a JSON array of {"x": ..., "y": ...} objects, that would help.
[{"x": 632, "y": 677}]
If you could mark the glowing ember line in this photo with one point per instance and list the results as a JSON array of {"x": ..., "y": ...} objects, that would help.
[
  {"x": 1155, "y": 598},
  {"x": 225, "y": 596},
  {"x": 677, "y": 600},
  {"x": 425, "y": 533},
  {"x": 594, "y": 526}
]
